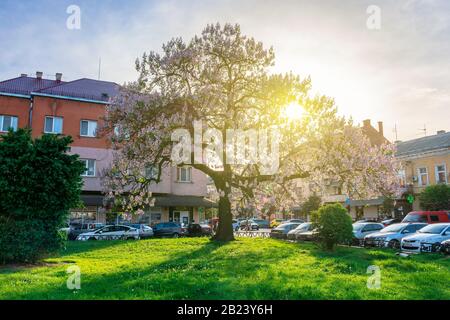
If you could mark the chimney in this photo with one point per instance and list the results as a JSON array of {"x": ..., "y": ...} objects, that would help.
[
  {"x": 58, "y": 77},
  {"x": 441, "y": 132},
  {"x": 380, "y": 128},
  {"x": 39, "y": 75},
  {"x": 366, "y": 123},
  {"x": 23, "y": 75}
]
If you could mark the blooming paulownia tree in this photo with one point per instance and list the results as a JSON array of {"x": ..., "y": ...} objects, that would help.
[{"x": 222, "y": 79}]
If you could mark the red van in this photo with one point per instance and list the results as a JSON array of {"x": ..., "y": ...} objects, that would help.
[{"x": 427, "y": 216}]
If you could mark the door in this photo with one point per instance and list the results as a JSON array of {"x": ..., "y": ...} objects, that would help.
[{"x": 184, "y": 216}]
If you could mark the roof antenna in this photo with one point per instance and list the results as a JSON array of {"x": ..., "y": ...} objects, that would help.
[
  {"x": 395, "y": 132},
  {"x": 424, "y": 130},
  {"x": 99, "y": 66}
]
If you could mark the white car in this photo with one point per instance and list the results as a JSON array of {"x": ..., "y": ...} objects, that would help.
[
  {"x": 427, "y": 239},
  {"x": 111, "y": 233},
  {"x": 392, "y": 235},
  {"x": 362, "y": 229}
]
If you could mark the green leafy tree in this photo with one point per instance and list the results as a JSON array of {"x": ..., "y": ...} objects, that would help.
[
  {"x": 39, "y": 183},
  {"x": 435, "y": 197},
  {"x": 334, "y": 225},
  {"x": 311, "y": 204}
]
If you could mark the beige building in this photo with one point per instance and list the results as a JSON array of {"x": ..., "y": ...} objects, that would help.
[{"x": 425, "y": 161}]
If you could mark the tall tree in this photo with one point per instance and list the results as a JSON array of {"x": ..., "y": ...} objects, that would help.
[{"x": 224, "y": 79}]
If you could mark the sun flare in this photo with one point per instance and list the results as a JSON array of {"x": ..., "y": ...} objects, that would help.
[{"x": 293, "y": 111}]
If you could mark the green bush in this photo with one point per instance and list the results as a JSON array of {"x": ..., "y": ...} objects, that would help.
[
  {"x": 435, "y": 197},
  {"x": 334, "y": 225},
  {"x": 39, "y": 183}
]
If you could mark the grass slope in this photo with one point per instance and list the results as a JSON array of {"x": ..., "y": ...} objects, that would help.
[{"x": 244, "y": 269}]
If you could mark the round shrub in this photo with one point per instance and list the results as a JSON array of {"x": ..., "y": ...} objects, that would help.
[{"x": 333, "y": 224}]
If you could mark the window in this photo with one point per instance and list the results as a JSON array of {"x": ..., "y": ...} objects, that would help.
[
  {"x": 184, "y": 174},
  {"x": 441, "y": 173},
  {"x": 7, "y": 122},
  {"x": 423, "y": 176},
  {"x": 151, "y": 172},
  {"x": 434, "y": 218},
  {"x": 88, "y": 128},
  {"x": 53, "y": 125},
  {"x": 402, "y": 178},
  {"x": 90, "y": 167}
]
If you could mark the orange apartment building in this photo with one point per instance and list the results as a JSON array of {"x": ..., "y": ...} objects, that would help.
[
  {"x": 425, "y": 161},
  {"x": 76, "y": 108}
]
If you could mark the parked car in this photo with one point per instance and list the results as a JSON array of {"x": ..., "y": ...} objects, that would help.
[
  {"x": 301, "y": 228},
  {"x": 310, "y": 235},
  {"x": 144, "y": 230},
  {"x": 276, "y": 222},
  {"x": 388, "y": 222},
  {"x": 248, "y": 225},
  {"x": 78, "y": 228},
  {"x": 427, "y": 239},
  {"x": 65, "y": 230},
  {"x": 392, "y": 235},
  {"x": 112, "y": 232},
  {"x": 167, "y": 229},
  {"x": 282, "y": 230},
  {"x": 262, "y": 223},
  {"x": 293, "y": 221},
  {"x": 427, "y": 216},
  {"x": 197, "y": 230},
  {"x": 235, "y": 225},
  {"x": 362, "y": 229},
  {"x": 445, "y": 246}
]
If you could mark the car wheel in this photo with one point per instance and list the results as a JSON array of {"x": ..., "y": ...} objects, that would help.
[
  {"x": 436, "y": 247},
  {"x": 394, "y": 244},
  {"x": 92, "y": 238},
  {"x": 175, "y": 235}
]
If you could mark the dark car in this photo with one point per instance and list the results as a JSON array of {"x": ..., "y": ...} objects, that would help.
[
  {"x": 197, "y": 230},
  {"x": 261, "y": 223},
  {"x": 167, "y": 229},
  {"x": 78, "y": 228}
]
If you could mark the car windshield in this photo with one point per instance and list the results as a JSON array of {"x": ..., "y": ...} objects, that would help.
[
  {"x": 433, "y": 229},
  {"x": 415, "y": 217},
  {"x": 303, "y": 226},
  {"x": 393, "y": 228},
  {"x": 358, "y": 226}
]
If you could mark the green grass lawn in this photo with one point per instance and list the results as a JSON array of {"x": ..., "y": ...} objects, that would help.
[{"x": 244, "y": 269}]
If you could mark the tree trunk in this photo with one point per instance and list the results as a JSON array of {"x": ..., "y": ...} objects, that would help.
[{"x": 225, "y": 227}]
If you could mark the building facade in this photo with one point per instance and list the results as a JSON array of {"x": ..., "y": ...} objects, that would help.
[
  {"x": 425, "y": 161},
  {"x": 77, "y": 108}
]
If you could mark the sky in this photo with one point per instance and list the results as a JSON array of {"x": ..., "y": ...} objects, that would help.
[{"x": 397, "y": 73}]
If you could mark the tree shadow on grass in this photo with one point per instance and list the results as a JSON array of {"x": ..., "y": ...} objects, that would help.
[
  {"x": 223, "y": 271},
  {"x": 203, "y": 273}
]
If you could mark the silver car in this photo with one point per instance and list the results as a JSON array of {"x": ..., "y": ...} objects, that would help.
[
  {"x": 112, "y": 232},
  {"x": 362, "y": 229},
  {"x": 392, "y": 235},
  {"x": 304, "y": 227}
]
